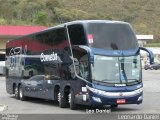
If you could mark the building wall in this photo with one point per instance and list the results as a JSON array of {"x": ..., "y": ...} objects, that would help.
[{"x": 3, "y": 43}]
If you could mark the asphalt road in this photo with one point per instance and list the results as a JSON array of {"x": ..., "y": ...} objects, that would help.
[{"x": 151, "y": 102}]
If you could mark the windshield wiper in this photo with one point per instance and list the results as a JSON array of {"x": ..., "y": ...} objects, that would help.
[
  {"x": 110, "y": 81},
  {"x": 106, "y": 80}
]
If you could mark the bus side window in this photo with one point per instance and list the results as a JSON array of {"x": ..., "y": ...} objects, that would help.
[
  {"x": 55, "y": 41},
  {"x": 76, "y": 34},
  {"x": 83, "y": 67}
]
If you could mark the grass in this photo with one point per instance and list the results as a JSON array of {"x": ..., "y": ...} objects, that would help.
[{"x": 152, "y": 45}]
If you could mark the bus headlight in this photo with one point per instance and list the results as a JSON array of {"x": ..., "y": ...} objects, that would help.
[{"x": 140, "y": 98}]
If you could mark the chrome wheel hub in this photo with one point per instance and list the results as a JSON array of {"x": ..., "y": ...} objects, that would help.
[
  {"x": 69, "y": 98},
  {"x": 59, "y": 96}
]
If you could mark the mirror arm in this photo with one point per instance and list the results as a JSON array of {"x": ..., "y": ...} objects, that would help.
[{"x": 151, "y": 55}]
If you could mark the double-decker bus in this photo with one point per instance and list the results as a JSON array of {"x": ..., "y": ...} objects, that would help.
[{"x": 87, "y": 62}]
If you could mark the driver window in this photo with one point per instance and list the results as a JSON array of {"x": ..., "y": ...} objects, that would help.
[{"x": 81, "y": 64}]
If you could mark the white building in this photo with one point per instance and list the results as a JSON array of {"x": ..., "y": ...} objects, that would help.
[{"x": 142, "y": 39}]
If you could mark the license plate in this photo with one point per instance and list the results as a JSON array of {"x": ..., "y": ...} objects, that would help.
[{"x": 121, "y": 101}]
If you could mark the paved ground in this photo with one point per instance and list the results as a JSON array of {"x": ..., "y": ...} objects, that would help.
[{"x": 151, "y": 103}]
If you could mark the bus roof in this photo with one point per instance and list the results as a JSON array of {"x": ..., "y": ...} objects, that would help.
[
  {"x": 95, "y": 21},
  {"x": 86, "y": 22}
]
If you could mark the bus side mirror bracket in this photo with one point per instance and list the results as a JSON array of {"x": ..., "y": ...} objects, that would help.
[{"x": 151, "y": 55}]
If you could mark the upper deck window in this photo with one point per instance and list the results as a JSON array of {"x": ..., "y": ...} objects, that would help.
[
  {"x": 111, "y": 36},
  {"x": 76, "y": 34}
]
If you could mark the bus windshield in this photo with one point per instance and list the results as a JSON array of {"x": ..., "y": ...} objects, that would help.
[
  {"x": 116, "y": 70},
  {"x": 111, "y": 36}
]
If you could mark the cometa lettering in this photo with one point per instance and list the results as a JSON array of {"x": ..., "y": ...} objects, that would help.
[{"x": 48, "y": 58}]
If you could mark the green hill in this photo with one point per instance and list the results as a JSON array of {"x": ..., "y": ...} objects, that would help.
[{"x": 144, "y": 15}]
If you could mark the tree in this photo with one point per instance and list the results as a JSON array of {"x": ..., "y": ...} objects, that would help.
[{"x": 41, "y": 17}]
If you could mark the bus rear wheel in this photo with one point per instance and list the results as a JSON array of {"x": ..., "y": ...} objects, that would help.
[
  {"x": 71, "y": 98},
  {"x": 62, "y": 101},
  {"x": 21, "y": 94},
  {"x": 16, "y": 92}
]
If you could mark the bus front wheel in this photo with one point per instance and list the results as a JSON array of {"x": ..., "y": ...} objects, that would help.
[{"x": 71, "y": 98}]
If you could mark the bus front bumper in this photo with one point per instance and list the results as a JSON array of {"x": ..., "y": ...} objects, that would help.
[
  {"x": 99, "y": 97},
  {"x": 102, "y": 100}
]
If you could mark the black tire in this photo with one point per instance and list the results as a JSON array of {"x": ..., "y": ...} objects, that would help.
[
  {"x": 21, "y": 94},
  {"x": 16, "y": 92},
  {"x": 62, "y": 101},
  {"x": 30, "y": 73},
  {"x": 114, "y": 106},
  {"x": 71, "y": 98}
]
